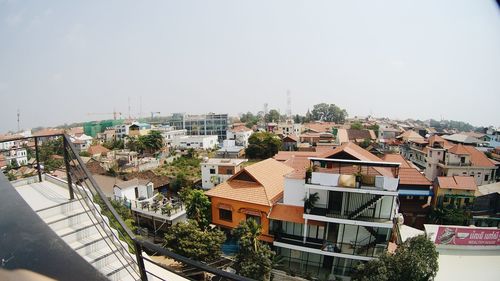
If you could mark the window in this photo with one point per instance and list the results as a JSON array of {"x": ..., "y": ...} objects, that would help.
[
  {"x": 486, "y": 177},
  {"x": 439, "y": 153},
  {"x": 446, "y": 199},
  {"x": 212, "y": 171},
  {"x": 225, "y": 215},
  {"x": 462, "y": 160},
  {"x": 409, "y": 197},
  {"x": 256, "y": 218},
  {"x": 229, "y": 171},
  {"x": 430, "y": 153},
  {"x": 466, "y": 201}
]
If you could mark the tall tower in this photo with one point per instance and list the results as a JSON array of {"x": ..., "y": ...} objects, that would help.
[
  {"x": 18, "y": 115},
  {"x": 288, "y": 105}
]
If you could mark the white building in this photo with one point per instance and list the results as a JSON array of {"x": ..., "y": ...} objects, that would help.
[
  {"x": 215, "y": 171},
  {"x": 196, "y": 142},
  {"x": 169, "y": 133},
  {"x": 351, "y": 221},
  {"x": 135, "y": 189},
  {"x": 240, "y": 135},
  {"x": 18, "y": 156}
]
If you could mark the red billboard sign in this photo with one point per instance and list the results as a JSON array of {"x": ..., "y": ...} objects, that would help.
[{"x": 470, "y": 236}]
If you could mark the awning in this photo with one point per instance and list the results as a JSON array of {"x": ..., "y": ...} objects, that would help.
[
  {"x": 225, "y": 207},
  {"x": 415, "y": 192}
]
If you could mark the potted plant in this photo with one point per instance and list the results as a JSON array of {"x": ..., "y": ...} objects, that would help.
[
  {"x": 359, "y": 178},
  {"x": 310, "y": 201},
  {"x": 309, "y": 174}
]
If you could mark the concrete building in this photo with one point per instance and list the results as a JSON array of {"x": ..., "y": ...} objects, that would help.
[
  {"x": 351, "y": 221},
  {"x": 215, "y": 171},
  {"x": 196, "y": 142},
  {"x": 240, "y": 135},
  {"x": 205, "y": 124}
]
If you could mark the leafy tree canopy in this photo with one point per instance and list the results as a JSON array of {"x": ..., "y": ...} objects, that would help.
[
  {"x": 198, "y": 207},
  {"x": 415, "y": 259},
  {"x": 262, "y": 145},
  {"x": 254, "y": 259},
  {"x": 328, "y": 113},
  {"x": 187, "y": 239},
  {"x": 357, "y": 126}
]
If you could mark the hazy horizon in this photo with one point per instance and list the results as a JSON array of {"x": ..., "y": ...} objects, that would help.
[{"x": 397, "y": 59}]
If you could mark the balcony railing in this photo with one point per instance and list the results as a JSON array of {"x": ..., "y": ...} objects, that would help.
[
  {"x": 83, "y": 187},
  {"x": 354, "y": 174}
]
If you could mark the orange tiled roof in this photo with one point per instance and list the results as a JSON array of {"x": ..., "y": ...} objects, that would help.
[
  {"x": 458, "y": 149},
  {"x": 288, "y": 213},
  {"x": 410, "y": 136},
  {"x": 286, "y": 155},
  {"x": 477, "y": 158},
  {"x": 396, "y": 158},
  {"x": 97, "y": 149},
  {"x": 457, "y": 182},
  {"x": 45, "y": 132},
  {"x": 263, "y": 187},
  {"x": 410, "y": 176},
  {"x": 360, "y": 154},
  {"x": 319, "y": 127},
  {"x": 240, "y": 128}
]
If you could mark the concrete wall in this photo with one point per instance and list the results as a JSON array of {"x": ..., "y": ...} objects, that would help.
[{"x": 294, "y": 192}]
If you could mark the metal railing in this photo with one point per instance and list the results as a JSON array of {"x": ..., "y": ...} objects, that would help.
[{"x": 83, "y": 187}]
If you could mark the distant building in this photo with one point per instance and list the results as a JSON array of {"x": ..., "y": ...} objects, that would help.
[
  {"x": 197, "y": 125},
  {"x": 240, "y": 135},
  {"x": 456, "y": 190},
  {"x": 196, "y": 142},
  {"x": 215, "y": 170}
]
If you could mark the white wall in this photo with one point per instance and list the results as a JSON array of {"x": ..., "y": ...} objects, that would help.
[
  {"x": 130, "y": 192},
  {"x": 294, "y": 192}
]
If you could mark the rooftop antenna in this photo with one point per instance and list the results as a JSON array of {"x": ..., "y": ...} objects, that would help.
[
  {"x": 288, "y": 104},
  {"x": 265, "y": 111},
  {"x": 140, "y": 107},
  {"x": 129, "y": 108},
  {"x": 18, "y": 115}
]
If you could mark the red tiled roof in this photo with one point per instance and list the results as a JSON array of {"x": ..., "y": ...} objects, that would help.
[
  {"x": 459, "y": 149},
  {"x": 410, "y": 176},
  {"x": 360, "y": 154},
  {"x": 97, "y": 149},
  {"x": 478, "y": 158},
  {"x": 288, "y": 213},
  {"x": 319, "y": 127},
  {"x": 240, "y": 128},
  {"x": 396, "y": 158},
  {"x": 457, "y": 182}
]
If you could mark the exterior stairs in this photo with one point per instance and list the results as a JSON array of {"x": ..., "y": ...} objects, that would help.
[
  {"x": 90, "y": 235},
  {"x": 370, "y": 203}
]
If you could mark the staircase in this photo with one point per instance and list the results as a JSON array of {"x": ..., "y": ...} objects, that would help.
[
  {"x": 370, "y": 203},
  {"x": 88, "y": 233}
]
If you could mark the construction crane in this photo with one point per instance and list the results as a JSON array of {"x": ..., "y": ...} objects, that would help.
[{"x": 114, "y": 113}]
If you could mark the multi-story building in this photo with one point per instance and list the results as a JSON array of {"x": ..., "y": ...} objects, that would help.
[
  {"x": 250, "y": 193},
  {"x": 240, "y": 135},
  {"x": 206, "y": 124},
  {"x": 196, "y": 142},
  {"x": 215, "y": 170},
  {"x": 456, "y": 190},
  {"x": 350, "y": 203},
  {"x": 289, "y": 127}
]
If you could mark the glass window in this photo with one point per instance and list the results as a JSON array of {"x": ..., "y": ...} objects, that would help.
[
  {"x": 212, "y": 171},
  {"x": 256, "y": 218},
  {"x": 313, "y": 231},
  {"x": 225, "y": 215}
]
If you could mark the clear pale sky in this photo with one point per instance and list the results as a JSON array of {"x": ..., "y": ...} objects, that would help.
[{"x": 60, "y": 60}]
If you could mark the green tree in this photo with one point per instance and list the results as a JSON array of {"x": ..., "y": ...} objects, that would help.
[
  {"x": 329, "y": 113},
  {"x": 262, "y": 145},
  {"x": 254, "y": 259},
  {"x": 272, "y": 116},
  {"x": 187, "y": 239},
  {"x": 152, "y": 142},
  {"x": 198, "y": 207},
  {"x": 415, "y": 259},
  {"x": 249, "y": 119},
  {"x": 450, "y": 215},
  {"x": 375, "y": 128},
  {"x": 357, "y": 126},
  {"x": 84, "y": 154}
]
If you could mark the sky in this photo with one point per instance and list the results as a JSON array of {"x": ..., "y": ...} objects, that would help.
[{"x": 61, "y": 60}]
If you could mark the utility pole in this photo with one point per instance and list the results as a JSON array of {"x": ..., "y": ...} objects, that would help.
[{"x": 18, "y": 115}]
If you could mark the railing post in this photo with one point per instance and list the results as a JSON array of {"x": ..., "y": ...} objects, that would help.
[
  {"x": 140, "y": 261},
  {"x": 66, "y": 162},
  {"x": 38, "y": 168}
]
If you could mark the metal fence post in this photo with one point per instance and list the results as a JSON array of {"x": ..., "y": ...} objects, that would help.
[
  {"x": 38, "y": 168},
  {"x": 68, "y": 175},
  {"x": 140, "y": 261}
]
